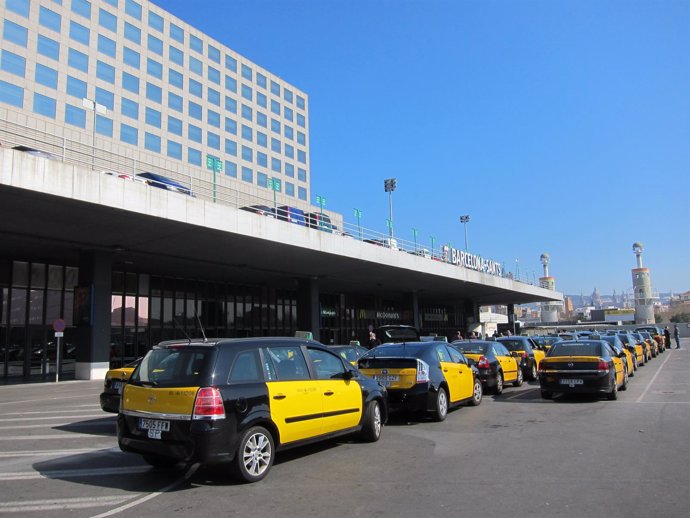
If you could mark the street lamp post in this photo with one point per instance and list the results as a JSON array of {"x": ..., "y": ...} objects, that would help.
[
  {"x": 433, "y": 240},
  {"x": 517, "y": 269},
  {"x": 414, "y": 233},
  {"x": 322, "y": 203},
  {"x": 215, "y": 164},
  {"x": 389, "y": 185},
  {"x": 96, "y": 108},
  {"x": 464, "y": 220},
  {"x": 358, "y": 215},
  {"x": 275, "y": 185}
]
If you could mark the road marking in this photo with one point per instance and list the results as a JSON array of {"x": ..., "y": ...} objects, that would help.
[
  {"x": 42, "y": 400},
  {"x": 75, "y": 409},
  {"x": 652, "y": 380},
  {"x": 65, "y": 423},
  {"x": 74, "y": 473},
  {"x": 521, "y": 393},
  {"x": 12, "y": 419},
  {"x": 66, "y": 435},
  {"x": 61, "y": 503},
  {"x": 53, "y": 453},
  {"x": 146, "y": 498}
]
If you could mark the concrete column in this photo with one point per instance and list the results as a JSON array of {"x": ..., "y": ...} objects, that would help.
[
  {"x": 92, "y": 301},
  {"x": 308, "y": 308},
  {"x": 472, "y": 322},
  {"x": 511, "y": 317},
  {"x": 414, "y": 304}
]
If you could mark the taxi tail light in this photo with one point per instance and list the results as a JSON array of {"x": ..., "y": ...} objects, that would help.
[
  {"x": 603, "y": 365},
  {"x": 422, "y": 371},
  {"x": 483, "y": 363},
  {"x": 542, "y": 365},
  {"x": 525, "y": 355},
  {"x": 208, "y": 404}
]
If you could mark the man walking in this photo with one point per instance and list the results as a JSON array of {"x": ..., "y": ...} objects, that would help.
[
  {"x": 667, "y": 338},
  {"x": 676, "y": 335}
]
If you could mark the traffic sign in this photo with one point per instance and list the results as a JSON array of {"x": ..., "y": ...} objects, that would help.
[{"x": 59, "y": 325}]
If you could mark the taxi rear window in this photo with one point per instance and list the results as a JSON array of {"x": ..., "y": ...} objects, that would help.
[
  {"x": 174, "y": 367},
  {"x": 472, "y": 348},
  {"x": 513, "y": 345},
  {"x": 576, "y": 349}
]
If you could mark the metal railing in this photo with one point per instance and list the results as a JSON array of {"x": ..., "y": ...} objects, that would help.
[{"x": 103, "y": 161}]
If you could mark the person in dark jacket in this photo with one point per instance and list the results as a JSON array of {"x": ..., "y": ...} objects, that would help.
[
  {"x": 667, "y": 337},
  {"x": 373, "y": 341},
  {"x": 676, "y": 335}
]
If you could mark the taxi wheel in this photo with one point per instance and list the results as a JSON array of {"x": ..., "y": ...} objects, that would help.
[
  {"x": 371, "y": 430},
  {"x": 498, "y": 389},
  {"x": 441, "y": 410},
  {"x": 519, "y": 379},
  {"x": 624, "y": 386},
  {"x": 613, "y": 395},
  {"x": 477, "y": 393},
  {"x": 254, "y": 456},
  {"x": 533, "y": 374},
  {"x": 158, "y": 461}
]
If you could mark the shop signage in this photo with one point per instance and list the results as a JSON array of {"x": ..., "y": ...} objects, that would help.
[
  {"x": 328, "y": 312},
  {"x": 472, "y": 261},
  {"x": 365, "y": 314},
  {"x": 435, "y": 317}
]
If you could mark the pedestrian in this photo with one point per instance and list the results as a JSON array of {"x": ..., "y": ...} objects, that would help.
[
  {"x": 373, "y": 341},
  {"x": 458, "y": 336},
  {"x": 667, "y": 338},
  {"x": 676, "y": 335}
]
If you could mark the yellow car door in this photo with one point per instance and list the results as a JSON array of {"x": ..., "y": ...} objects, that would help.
[
  {"x": 465, "y": 374},
  {"x": 341, "y": 395},
  {"x": 508, "y": 363},
  {"x": 451, "y": 372},
  {"x": 296, "y": 400}
]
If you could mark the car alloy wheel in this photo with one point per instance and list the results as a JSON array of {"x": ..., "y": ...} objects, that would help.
[
  {"x": 518, "y": 380},
  {"x": 441, "y": 405},
  {"x": 255, "y": 455},
  {"x": 624, "y": 386},
  {"x": 534, "y": 372},
  {"x": 613, "y": 395},
  {"x": 499, "y": 383},
  {"x": 371, "y": 430},
  {"x": 477, "y": 393}
]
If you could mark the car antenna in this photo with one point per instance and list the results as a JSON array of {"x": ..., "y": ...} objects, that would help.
[
  {"x": 200, "y": 326},
  {"x": 183, "y": 330}
]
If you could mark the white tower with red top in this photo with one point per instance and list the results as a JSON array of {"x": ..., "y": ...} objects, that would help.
[
  {"x": 642, "y": 289},
  {"x": 549, "y": 310}
]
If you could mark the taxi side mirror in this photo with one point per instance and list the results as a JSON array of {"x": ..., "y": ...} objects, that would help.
[{"x": 348, "y": 375}]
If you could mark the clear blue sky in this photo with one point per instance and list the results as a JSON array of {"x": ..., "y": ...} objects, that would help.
[{"x": 558, "y": 126}]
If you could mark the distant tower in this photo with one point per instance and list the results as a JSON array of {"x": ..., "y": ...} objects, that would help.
[
  {"x": 642, "y": 289},
  {"x": 549, "y": 310},
  {"x": 596, "y": 299}
]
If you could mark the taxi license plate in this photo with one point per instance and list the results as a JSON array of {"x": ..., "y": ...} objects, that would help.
[
  {"x": 117, "y": 385},
  {"x": 572, "y": 382},
  {"x": 154, "y": 427},
  {"x": 386, "y": 379}
]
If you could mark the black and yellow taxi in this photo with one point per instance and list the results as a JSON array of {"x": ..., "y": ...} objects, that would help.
[
  {"x": 115, "y": 380},
  {"x": 350, "y": 353},
  {"x": 526, "y": 351},
  {"x": 237, "y": 401},
  {"x": 425, "y": 377},
  {"x": 583, "y": 367},
  {"x": 656, "y": 334},
  {"x": 494, "y": 361},
  {"x": 634, "y": 346},
  {"x": 546, "y": 341},
  {"x": 618, "y": 346},
  {"x": 653, "y": 345}
]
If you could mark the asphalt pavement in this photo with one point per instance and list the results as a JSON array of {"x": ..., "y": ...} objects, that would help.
[{"x": 514, "y": 455}]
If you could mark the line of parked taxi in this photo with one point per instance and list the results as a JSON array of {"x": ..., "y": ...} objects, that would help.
[{"x": 238, "y": 401}]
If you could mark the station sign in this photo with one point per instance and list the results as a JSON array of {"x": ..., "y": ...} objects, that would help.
[{"x": 472, "y": 261}]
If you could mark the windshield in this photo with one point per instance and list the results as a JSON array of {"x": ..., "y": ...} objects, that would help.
[
  {"x": 172, "y": 367},
  {"x": 398, "y": 334},
  {"x": 576, "y": 349},
  {"x": 513, "y": 345},
  {"x": 397, "y": 351},
  {"x": 348, "y": 353},
  {"x": 471, "y": 347}
]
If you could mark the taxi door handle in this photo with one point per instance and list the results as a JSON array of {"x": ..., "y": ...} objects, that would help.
[
  {"x": 279, "y": 396},
  {"x": 329, "y": 393},
  {"x": 445, "y": 370}
]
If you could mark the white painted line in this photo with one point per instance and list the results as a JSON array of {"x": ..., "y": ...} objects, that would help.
[
  {"x": 522, "y": 393},
  {"x": 61, "y": 503},
  {"x": 66, "y": 435},
  {"x": 55, "y": 453},
  {"x": 75, "y": 409},
  {"x": 146, "y": 498},
  {"x": 23, "y": 419},
  {"x": 42, "y": 400},
  {"x": 652, "y": 380},
  {"x": 50, "y": 425},
  {"x": 74, "y": 473}
]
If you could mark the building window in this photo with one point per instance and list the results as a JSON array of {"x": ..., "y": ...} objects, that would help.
[
  {"x": 107, "y": 20},
  {"x": 195, "y": 110},
  {"x": 230, "y": 63},
  {"x": 247, "y": 154},
  {"x": 261, "y": 100},
  {"x": 301, "y": 157},
  {"x": 155, "y": 21},
  {"x": 261, "y": 159},
  {"x": 104, "y": 126},
  {"x": 276, "y": 165},
  {"x": 275, "y": 88},
  {"x": 230, "y": 169},
  {"x": 275, "y": 107},
  {"x": 230, "y": 104},
  {"x": 301, "y": 175},
  {"x": 213, "y": 75},
  {"x": 287, "y": 113},
  {"x": 213, "y": 140},
  {"x": 154, "y": 93},
  {"x": 261, "y": 179},
  {"x": 12, "y": 63},
  {"x": 175, "y": 78},
  {"x": 214, "y": 54},
  {"x": 155, "y": 44},
  {"x": 176, "y": 33},
  {"x": 287, "y": 95},
  {"x": 196, "y": 66},
  {"x": 289, "y": 170},
  {"x": 194, "y": 156},
  {"x": 213, "y": 118},
  {"x": 154, "y": 68},
  {"x": 48, "y": 48},
  {"x": 79, "y": 33},
  {"x": 302, "y": 193},
  {"x": 78, "y": 60},
  {"x": 262, "y": 139},
  {"x": 105, "y": 72},
  {"x": 289, "y": 151},
  {"x": 300, "y": 120},
  {"x": 247, "y": 92},
  {"x": 76, "y": 87},
  {"x": 246, "y": 72},
  {"x": 49, "y": 19},
  {"x": 261, "y": 80},
  {"x": 82, "y": 7},
  {"x": 106, "y": 46},
  {"x": 15, "y": 33},
  {"x": 288, "y": 132},
  {"x": 152, "y": 142},
  {"x": 132, "y": 33},
  {"x": 44, "y": 75},
  {"x": 213, "y": 96},
  {"x": 153, "y": 117},
  {"x": 290, "y": 189},
  {"x": 247, "y": 112},
  {"x": 230, "y": 84},
  {"x": 246, "y": 133},
  {"x": 176, "y": 55},
  {"x": 196, "y": 44},
  {"x": 230, "y": 125},
  {"x": 300, "y": 102},
  {"x": 301, "y": 138},
  {"x": 129, "y": 134},
  {"x": 11, "y": 94},
  {"x": 175, "y": 126},
  {"x": 194, "y": 133},
  {"x": 195, "y": 88},
  {"x": 130, "y": 108},
  {"x": 275, "y": 145},
  {"x": 261, "y": 119},
  {"x": 111, "y": 2},
  {"x": 75, "y": 116},
  {"x": 21, "y": 7},
  {"x": 174, "y": 150},
  {"x": 275, "y": 126},
  {"x": 230, "y": 147},
  {"x": 44, "y": 105},
  {"x": 247, "y": 175},
  {"x": 105, "y": 98},
  {"x": 131, "y": 58},
  {"x": 174, "y": 102},
  {"x": 133, "y": 9}
]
